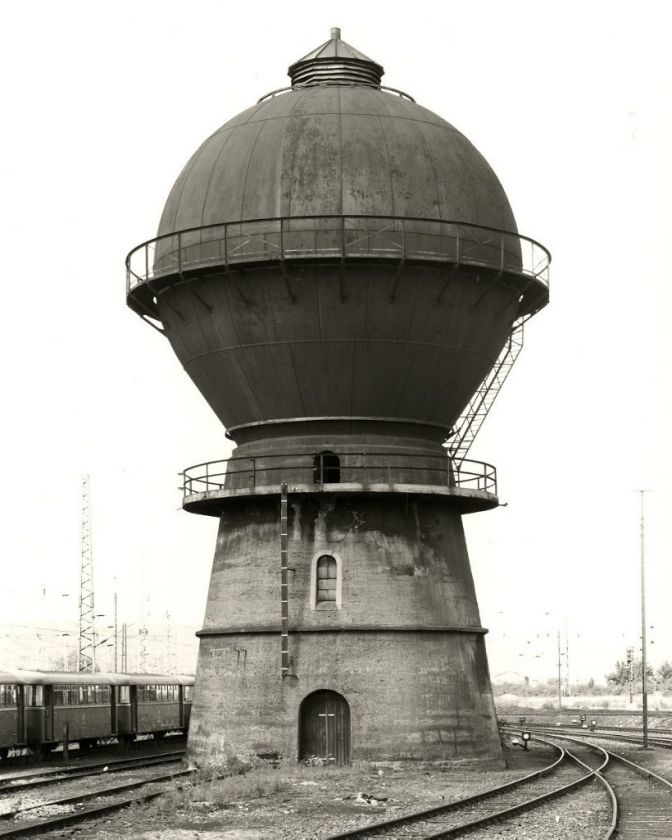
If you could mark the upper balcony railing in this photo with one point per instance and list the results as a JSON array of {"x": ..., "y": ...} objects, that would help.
[
  {"x": 291, "y": 238},
  {"x": 313, "y": 471}
]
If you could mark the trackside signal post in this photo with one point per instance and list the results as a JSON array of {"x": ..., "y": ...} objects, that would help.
[
  {"x": 340, "y": 273},
  {"x": 645, "y": 693}
]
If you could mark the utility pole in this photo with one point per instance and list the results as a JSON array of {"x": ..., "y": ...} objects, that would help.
[
  {"x": 143, "y": 632},
  {"x": 645, "y": 699},
  {"x": 170, "y": 659},
  {"x": 86, "y": 652},
  {"x": 566, "y": 658},
  {"x": 559, "y": 673},
  {"x": 630, "y": 660},
  {"x": 124, "y": 648},
  {"x": 116, "y": 632}
]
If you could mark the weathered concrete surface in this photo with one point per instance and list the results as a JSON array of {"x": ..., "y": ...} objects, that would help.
[{"x": 403, "y": 565}]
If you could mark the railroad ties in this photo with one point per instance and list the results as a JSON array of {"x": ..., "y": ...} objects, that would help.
[
  {"x": 637, "y": 802},
  {"x": 104, "y": 799}
]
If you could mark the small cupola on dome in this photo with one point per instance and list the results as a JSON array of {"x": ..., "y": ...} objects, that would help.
[{"x": 335, "y": 63}]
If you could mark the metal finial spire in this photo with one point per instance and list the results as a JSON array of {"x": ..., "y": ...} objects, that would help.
[{"x": 335, "y": 63}]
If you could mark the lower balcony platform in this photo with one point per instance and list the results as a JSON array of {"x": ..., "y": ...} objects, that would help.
[{"x": 207, "y": 488}]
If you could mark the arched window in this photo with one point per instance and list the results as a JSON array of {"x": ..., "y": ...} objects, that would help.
[
  {"x": 326, "y": 468},
  {"x": 326, "y": 579},
  {"x": 326, "y": 583}
]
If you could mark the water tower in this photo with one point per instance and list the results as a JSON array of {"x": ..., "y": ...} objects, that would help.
[{"x": 339, "y": 272}]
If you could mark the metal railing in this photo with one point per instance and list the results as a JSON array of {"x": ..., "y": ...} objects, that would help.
[
  {"x": 291, "y": 238},
  {"x": 249, "y": 473}
]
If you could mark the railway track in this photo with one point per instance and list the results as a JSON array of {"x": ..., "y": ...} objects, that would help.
[
  {"x": 641, "y": 799},
  {"x": 88, "y": 805},
  {"x": 53, "y": 775},
  {"x": 565, "y": 774},
  {"x": 654, "y": 740}
]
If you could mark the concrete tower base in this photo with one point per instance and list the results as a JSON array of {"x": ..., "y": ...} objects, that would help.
[{"x": 398, "y": 648}]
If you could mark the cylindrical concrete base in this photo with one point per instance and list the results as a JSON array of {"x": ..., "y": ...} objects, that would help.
[{"x": 397, "y": 644}]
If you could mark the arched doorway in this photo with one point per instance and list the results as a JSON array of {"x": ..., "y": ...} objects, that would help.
[{"x": 324, "y": 728}]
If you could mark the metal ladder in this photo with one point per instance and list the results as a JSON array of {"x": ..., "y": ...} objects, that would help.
[{"x": 476, "y": 410}]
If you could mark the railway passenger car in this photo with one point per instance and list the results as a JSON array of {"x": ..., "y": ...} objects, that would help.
[{"x": 37, "y": 708}]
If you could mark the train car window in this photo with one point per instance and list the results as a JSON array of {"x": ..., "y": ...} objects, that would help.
[
  {"x": 102, "y": 694},
  {"x": 188, "y": 693},
  {"x": 34, "y": 695},
  {"x": 149, "y": 694},
  {"x": 124, "y": 694},
  {"x": 7, "y": 696},
  {"x": 60, "y": 695}
]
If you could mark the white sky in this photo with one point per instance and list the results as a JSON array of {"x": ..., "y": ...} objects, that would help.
[{"x": 570, "y": 102}]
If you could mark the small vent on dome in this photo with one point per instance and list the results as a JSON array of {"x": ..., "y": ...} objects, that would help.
[{"x": 335, "y": 63}]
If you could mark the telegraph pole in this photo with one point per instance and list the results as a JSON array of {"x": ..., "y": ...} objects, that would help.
[
  {"x": 645, "y": 699},
  {"x": 124, "y": 648},
  {"x": 559, "y": 673},
  {"x": 116, "y": 632}
]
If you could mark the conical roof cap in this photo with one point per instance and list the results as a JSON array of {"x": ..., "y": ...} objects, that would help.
[{"x": 336, "y": 63}]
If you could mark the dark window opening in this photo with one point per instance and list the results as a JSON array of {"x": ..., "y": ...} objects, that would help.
[
  {"x": 326, "y": 579},
  {"x": 326, "y": 468}
]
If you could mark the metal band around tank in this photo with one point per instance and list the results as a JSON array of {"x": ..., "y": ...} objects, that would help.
[
  {"x": 355, "y": 628},
  {"x": 340, "y": 418}
]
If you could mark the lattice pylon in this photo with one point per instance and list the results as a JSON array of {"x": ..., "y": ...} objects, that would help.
[
  {"x": 86, "y": 654},
  {"x": 472, "y": 417}
]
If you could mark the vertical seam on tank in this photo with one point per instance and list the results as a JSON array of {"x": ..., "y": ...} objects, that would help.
[
  {"x": 340, "y": 147},
  {"x": 389, "y": 163},
  {"x": 299, "y": 99},
  {"x": 431, "y": 163},
  {"x": 353, "y": 344},
  {"x": 194, "y": 160},
  {"x": 254, "y": 113},
  {"x": 468, "y": 349},
  {"x": 212, "y": 171},
  {"x": 239, "y": 368},
  {"x": 247, "y": 169},
  {"x": 411, "y": 359}
]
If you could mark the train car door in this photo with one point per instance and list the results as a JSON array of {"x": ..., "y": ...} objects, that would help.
[
  {"x": 113, "y": 709},
  {"x": 324, "y": 728},
  {"x": 21, "y": 734},
  {"x": 134, "y": 708},
  {"x": 48, "y": 700}
]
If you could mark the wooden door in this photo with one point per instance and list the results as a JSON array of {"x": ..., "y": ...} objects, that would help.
[{"x": 324, "y": 728}]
